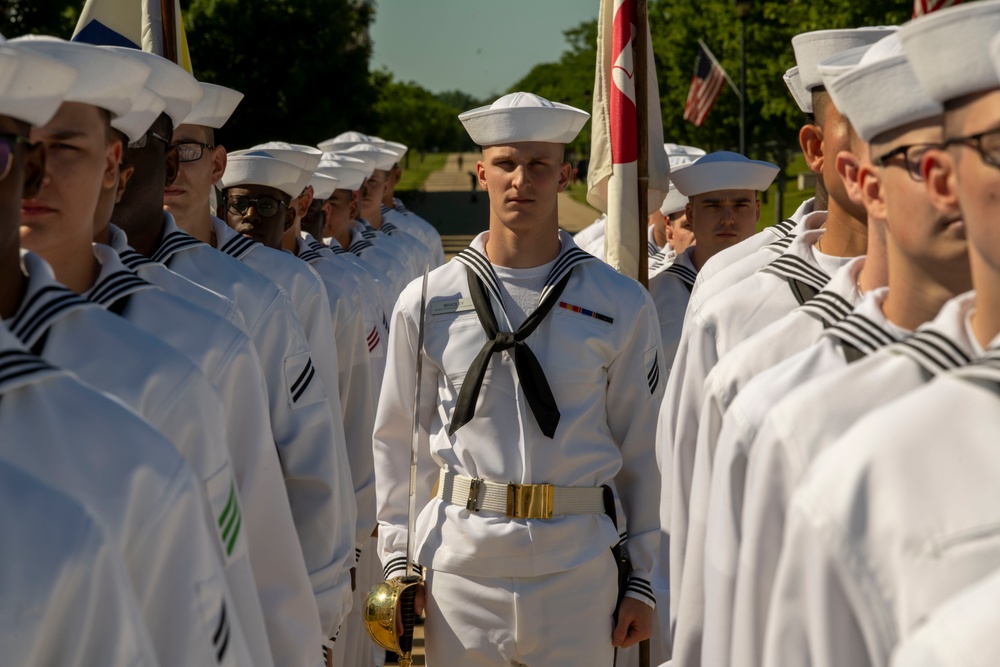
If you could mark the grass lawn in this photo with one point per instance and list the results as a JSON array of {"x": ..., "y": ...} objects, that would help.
[
  {"x": 768, "y": 202},
  {"x": 418, "y": 170}
]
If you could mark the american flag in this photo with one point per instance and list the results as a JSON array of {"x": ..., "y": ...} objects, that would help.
[
  {"x": 709, "y": 78},
  {"x": 921, "y": 7}
]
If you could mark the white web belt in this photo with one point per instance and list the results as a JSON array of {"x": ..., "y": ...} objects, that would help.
[{"x": 519, "y": 501}]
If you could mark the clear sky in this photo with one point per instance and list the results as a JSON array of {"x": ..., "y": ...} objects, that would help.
[{"x": 477, "y": 46}]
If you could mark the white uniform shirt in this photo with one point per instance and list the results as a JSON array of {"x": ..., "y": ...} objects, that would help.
[
  {"x": 65, "y": 596},
  {"x": 403, "y": 248},
  {"x": 144, "y": 372},
  {"x": 659, "y": 258},
  {"x": 731, "y": 317},
  {"x": 307, "y": 292},
  {"x": 780, "y": 340},
  {"x": 411, "y": 223},
  {"x": 962, "y": 632},
  {"x": 227, "y": 358},
  {"x": 799, "y": 427},
  {"x": 590, "y": 232},
  {"x": 139, "y": 489},
  {"x": 670, "y": 288},
  {"x": 174, "y": 283},
  {"x": 393, "y": 224},
  {"x": 356, "y": 392},
  {"x": 212, "y": 345},
  {"x": 370, "y": 295},
  {"x": 601, "y": 353},
  {"x": 383, "y": 285},
  {"x": 301, "y": 422},
  {"x": 894, "y": 518},
  {"x": 382, "y": 259}
]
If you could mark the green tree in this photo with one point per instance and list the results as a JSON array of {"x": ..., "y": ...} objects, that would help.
[
  {"x": 47, "y": 17},
  {"x": 571, "y": 80},
  {"x": 302, "y": 65},
  {"x": 772, "y": 117}
]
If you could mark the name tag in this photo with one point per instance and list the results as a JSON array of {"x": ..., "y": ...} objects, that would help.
[{"x": 451, "y": 306}]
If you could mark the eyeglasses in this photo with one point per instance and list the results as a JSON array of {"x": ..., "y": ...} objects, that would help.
[
  {"x": 266, "y": 206},
  {"x": 8, "y": 144},
  {"x": 191, "y": 151},
  {"x": 987, "y": 144},
  {"x": 911, "y": 158},
  {"x": 141, "y": 141}
]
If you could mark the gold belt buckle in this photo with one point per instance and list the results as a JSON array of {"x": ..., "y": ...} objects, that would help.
[{"x": 530, "y": 501}]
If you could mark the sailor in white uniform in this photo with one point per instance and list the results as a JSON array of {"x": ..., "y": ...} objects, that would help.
[
  {"x": 734, "y": 264},
  {"x": 65, "y": 596},
  {"x": 370, "y": 284},
  {"x": 723, "y": 210},
  {"x": 102, "y": 75},
  {"x": 780, "y": 340},
  {"x": 255, "y": 210},
  {"x": 962, "y": 632},
  {"x": 577, "y": 409},
  {"x": 101, "y": 454},
  {"x": 300, "y": 419},
  {"x": 896, "y": 499},
  {"x": 798, "y": 273},
  {"x": 411, "y": 251},
  {"x": 226, "y": 355},
  {"x": 669, "y": 232},
  {"x": 395, "y": 212},
  {"x": 259, "y": 177},
  {"x": 382, "y": 260},
  {"x": 927, "y": 264}
]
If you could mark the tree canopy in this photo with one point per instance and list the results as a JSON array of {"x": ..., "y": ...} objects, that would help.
[{"x": 304, "y": 68}]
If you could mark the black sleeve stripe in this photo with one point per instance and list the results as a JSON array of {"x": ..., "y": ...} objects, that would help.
[
  {"x": 305, "y": 383},
  {"x": 221, "y": 637}
]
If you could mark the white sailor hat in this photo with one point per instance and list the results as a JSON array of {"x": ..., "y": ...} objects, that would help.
[
  {"x": 723, "y": 170},
  {"x": 32, "y": 87},
  {"x": 521, "y": 117},
  {"x": 881, "y": 92},
  {"x": 801, "y": 96},
  {"x": 215, "y": 107},
  {"x": 303, "y": 157},
  {"x": 250, "y": 169},
  {"x": 374, "y": 156},
  {"x": 146, "y": 108},
  {"x": 106, "y": 80},
  {"x": 811, "y": 48},
  {"x": 394, "y": 146},
  {"x": 180, "y": 91},
  {"x": 348, "y": 178},
  {"x": 323, "y": 185},
  {"x": 343, "y": 140},
  {"x": 678, "y": 156},
  {"x": 948, "y": 49}
]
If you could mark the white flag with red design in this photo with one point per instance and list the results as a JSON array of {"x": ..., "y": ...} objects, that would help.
[
  {"x": 612, "y": 179},
  {"x": 921, "y": 7}
]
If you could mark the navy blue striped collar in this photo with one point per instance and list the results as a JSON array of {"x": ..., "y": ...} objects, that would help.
[
  {"x": 45, "y": 302},
  {"x": 474, "y": 257}
]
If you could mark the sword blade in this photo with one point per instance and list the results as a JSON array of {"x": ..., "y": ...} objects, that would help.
[{"x": 415, "y": 435}]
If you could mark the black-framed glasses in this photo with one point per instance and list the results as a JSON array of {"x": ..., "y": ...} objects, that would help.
[
  {"x": 191, "y": 151},
  {"x": 141, "y": 141},
  {"x": 987, "y": 144},
  {"x": 8, "y": 145},
  {"x": 266, "y": 206},
  {"x": 911, "y": 155}
]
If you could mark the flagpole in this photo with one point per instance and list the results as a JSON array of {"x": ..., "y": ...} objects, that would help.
[
  {"x": 642, "y": 132},
  {"x": 169, "y": 31}
]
